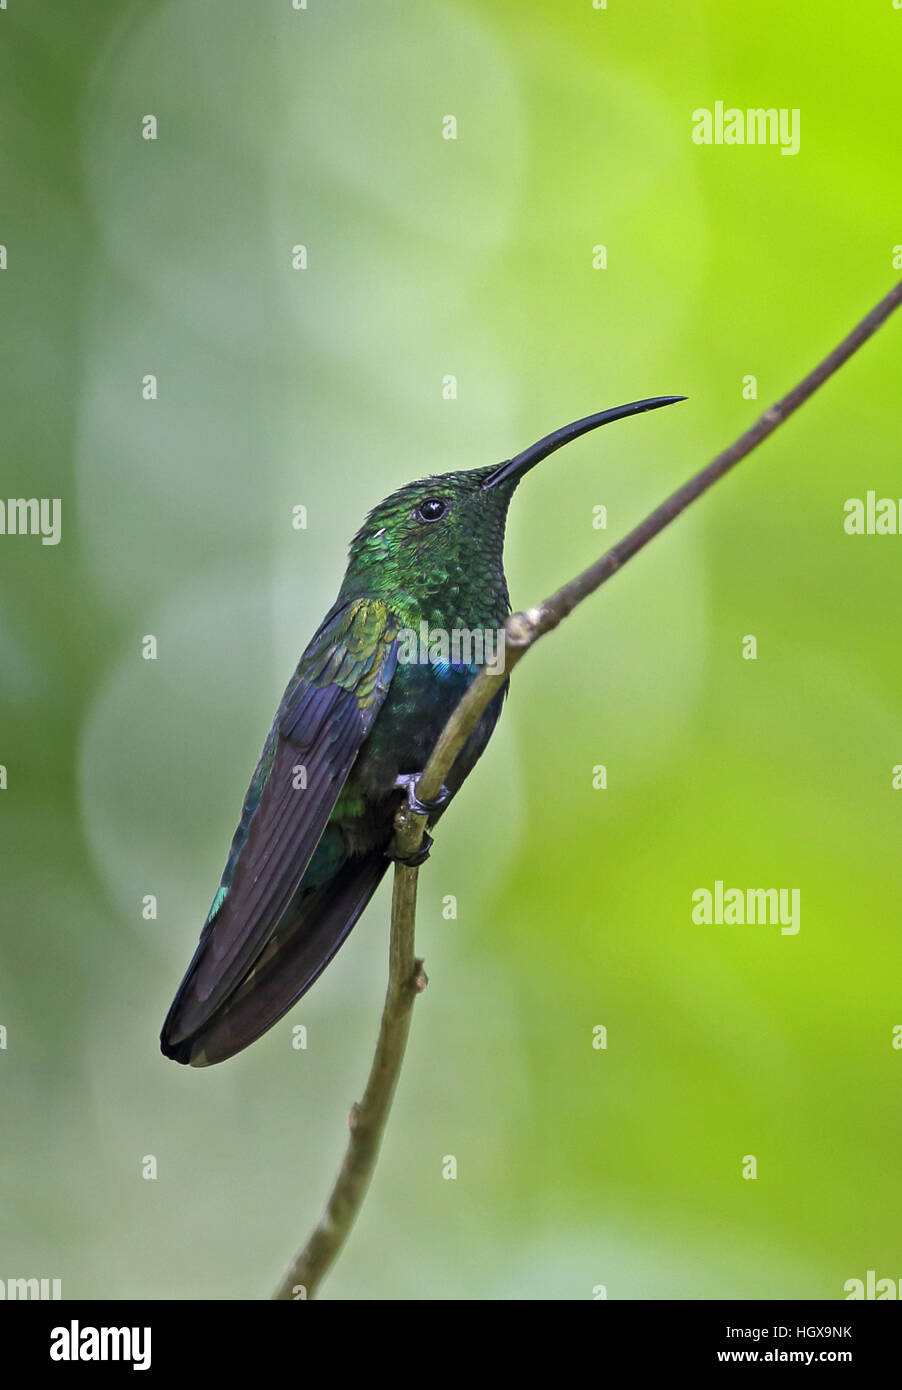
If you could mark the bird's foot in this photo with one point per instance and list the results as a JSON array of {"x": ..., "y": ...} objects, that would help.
[
  {"x": 413, "y": 861},
  {"x": 409, "y": 781}
]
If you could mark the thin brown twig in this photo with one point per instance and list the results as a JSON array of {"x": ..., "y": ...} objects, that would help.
[
  {"x": 522, "y": 631},
  {"x": 406, "y": 979}
]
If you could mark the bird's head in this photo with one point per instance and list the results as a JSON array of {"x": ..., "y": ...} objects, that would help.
[{"x": 445, "y": 534}]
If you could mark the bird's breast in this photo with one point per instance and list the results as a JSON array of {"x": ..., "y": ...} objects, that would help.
[{"x": 417, "y": 707}]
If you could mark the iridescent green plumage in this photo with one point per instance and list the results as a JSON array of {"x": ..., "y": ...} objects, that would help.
[{"x": 357, "y": 717}]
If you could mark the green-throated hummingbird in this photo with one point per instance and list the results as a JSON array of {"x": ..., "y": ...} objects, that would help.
[{"x": 355, "y": 728}]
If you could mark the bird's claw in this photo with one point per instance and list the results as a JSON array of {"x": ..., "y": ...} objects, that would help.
[
  {"x": 413, "y": 861},
  {"x": 408, "y": 781}
]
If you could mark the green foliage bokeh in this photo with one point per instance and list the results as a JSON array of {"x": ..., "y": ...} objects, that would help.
[{"x": 427, "y": 257}]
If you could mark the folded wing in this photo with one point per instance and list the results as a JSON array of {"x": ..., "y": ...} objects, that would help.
[{"x": 325, "y": 715}]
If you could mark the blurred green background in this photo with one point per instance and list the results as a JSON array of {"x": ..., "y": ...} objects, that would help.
[{"x": 279, "y": 387}]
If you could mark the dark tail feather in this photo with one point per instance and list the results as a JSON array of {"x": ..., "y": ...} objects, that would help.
[{"x": 315, "y": 924}]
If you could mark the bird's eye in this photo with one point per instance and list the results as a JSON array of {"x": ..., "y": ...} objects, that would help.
[{"x": 432, "y": 509}]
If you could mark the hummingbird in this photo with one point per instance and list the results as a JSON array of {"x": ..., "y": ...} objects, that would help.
[{"x": 354, "y": 729}]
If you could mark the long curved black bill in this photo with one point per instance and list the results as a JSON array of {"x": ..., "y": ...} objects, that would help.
[{"x": 515, "y": 468}]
